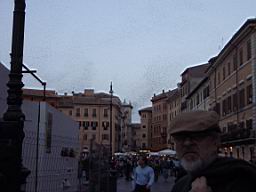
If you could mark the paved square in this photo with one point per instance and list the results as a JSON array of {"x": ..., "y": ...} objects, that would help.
[{"x": 159, "y": 186}]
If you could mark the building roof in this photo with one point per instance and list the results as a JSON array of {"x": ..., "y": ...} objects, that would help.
[
  {"x": 135, "y": 125},
  {"x": 173, "y": 94},
  {"x": 197, "y": 87},
  {"x": 163, "y": 95},
  {"x": 248, "y": 26},
  {"x": 82, "y": 99},
  {"x": 196, "y": 71},
  {"x": 39, "y": 93},
  {"x": 146, "y": 109}
]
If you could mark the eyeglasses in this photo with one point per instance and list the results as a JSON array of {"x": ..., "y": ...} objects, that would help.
[{"x": 196, "y": 137}]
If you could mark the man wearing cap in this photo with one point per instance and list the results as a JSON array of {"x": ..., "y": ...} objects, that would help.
[{"x": 197, "y": 138}]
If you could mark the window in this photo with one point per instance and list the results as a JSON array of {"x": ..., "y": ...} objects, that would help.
[
  {"x": 224, "y": 108},
  {"x": 224, "y": 72},
  {"x": 206, "y": 92},
  {"x": 86, "y": 112},
  {"x": 70, "y": 112},
  {"x": 218, "y": 108},
  {"x": 143, "y": 135},
  {"x": 78, "y": 112},
  {"x": 229, "y": 70},
  {"x": 249, "y": 94},
  {"x": 105, "y": 112},
  {"x": 241, "y": 98},
  {"x": 94, "y": 112},
  {"x": 229, "y": 109},
  {"x": 105, "y": 125},
  {"x": 144, "y": 126},
  {"x": 86, "y": 124},
  {"x": 143, "y": 145},
  {"x": 241, "y": 125},
  {"x": 235, "y": 61},
  {"x": 105, "y": 137},
  {"x": 218, "y": 77},
  {"x": 249, "y": 50},
  {"x": 235, "y": 105},
  {"x": 241, "y": 59},
  {"x": 94, "y": 125},
  {"x": 191, "y": 104},
  {"x": 85, "y": 137},
  {"x": 249, "y": 124}
]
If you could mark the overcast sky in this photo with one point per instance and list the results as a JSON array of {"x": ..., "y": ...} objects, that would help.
[{"x": 140, "y": 45}]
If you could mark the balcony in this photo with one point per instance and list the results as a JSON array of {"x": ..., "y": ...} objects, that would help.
[{"x": 239, "y": 136}]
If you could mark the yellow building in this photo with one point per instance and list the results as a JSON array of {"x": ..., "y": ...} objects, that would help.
[
  {"x": 232, "y": 91},
  {"x": 159, "y": 121},
  {"x": 146, "y": 127},
  {"x": 92, "y": 111},
  {"x": 126, "y": 132},
  {"x": 173, "y": 106},
  {"x": 190, "y": 78}
]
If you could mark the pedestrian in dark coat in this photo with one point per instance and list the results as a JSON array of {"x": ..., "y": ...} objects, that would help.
[{"x": 197, "y": 138}]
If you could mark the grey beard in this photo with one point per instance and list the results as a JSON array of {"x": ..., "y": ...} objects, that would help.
[
  {"x": 192, "y": 166},
  {"x": 197, "y": 165}
]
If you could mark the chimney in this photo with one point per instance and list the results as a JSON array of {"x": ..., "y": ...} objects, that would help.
[{"x": 89, "y": 92}]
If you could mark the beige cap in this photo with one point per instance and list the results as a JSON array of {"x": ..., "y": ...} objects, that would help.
[{"x": 195, "y": 121}]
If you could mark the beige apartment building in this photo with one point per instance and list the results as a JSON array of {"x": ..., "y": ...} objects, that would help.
[
  {"x": 92, "y": 111},
  {"x": 146, "y": 128},
  {"x": 136, "y": 137},
  {"x": 126, "y": 131},
  {"x": 159, "y": 121},
  {"x": 232, "y": 91},
  {"x": 190, "y": 78},
  {"x": 198, "y": 98},
  {"x": 173, "y": 106}
]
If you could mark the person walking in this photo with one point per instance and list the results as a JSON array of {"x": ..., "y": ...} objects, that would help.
[{"x": 143, "y": 176}]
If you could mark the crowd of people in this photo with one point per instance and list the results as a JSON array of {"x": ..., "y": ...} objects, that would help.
[
  {"x": 198, "y": 167},
  {"x": 164, "y": 166}
]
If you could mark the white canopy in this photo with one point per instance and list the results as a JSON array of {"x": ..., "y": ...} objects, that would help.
[
  {"x": 119, "y": 154},
  {"x": 153, "y": 154},
  {"x": 167, "y": 152}
]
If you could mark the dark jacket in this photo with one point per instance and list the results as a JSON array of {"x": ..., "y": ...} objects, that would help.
[{"x": 223, "y": 175}]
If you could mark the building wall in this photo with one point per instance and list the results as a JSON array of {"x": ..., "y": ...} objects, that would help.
[
  {"x": 174, "y": 108},
  {"x": 159, "y": 123},
  {"x": 96, "y": 124},
  {"x": 126, "y": 134},
  {"x": 200, "y": 99},
  {"x": 253, "y": 39},
  {"x": 136, "y": 136},
  {"x": 57, "y": 133},
  {"x": 146, "y": 133},
  {"x": 53, "y": 168},
  {"x": 232, "y": 97}
]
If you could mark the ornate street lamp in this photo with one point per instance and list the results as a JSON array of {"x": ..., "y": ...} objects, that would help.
[{"x": 12, "y": 173}]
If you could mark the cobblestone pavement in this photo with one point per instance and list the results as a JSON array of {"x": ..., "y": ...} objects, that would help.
[{"x": 160, "y": 186}]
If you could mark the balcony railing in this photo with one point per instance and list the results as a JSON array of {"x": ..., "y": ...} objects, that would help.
[{"x": 237, "y": 135}]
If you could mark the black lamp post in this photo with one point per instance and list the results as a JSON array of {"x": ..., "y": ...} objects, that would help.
[
  {"x": 110, "y": 122},
  {"x": 12, "y": 173}
]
